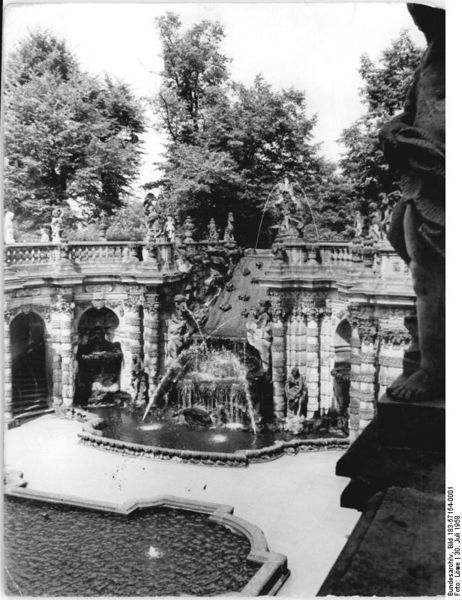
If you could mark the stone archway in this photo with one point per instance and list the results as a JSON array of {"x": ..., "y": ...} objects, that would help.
[
  {"x": 99, "y": 358},
  {"x": 341, "y": 371},
  {"x": 28, "y": 363}
]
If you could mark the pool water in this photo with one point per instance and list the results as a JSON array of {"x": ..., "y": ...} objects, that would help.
[
  {"x": 58, "y": 550},
  {"x": 127, "y": 426}
]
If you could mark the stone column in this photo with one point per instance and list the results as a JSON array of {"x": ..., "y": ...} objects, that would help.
[
  {"x": 67, "y": 356},
  {"x": 364, "y": 377},
  {"x": 326, "y": 362},
  {"x": 393, "y": 343},
  {"x": 300, "y": 339},
  {"x": 355, "y": 388},
  {"x": 278, "y": 358},
  {"x": 61, "y": 323},
  {"x": 290, "y": 342},
  {"x": 55, "y": 342},
  {"x": 151, "y": 340},
  {"x": 7, "y": 365},
  {"x": 312, "y": 360},
  {"x": 130, "y": 336}
]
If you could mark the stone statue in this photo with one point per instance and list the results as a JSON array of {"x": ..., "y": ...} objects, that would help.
[
  {"x": 8, "y": 231},
  {"x": 296, "y": 393},
  {"x": 154, "y": 221},
  {"x": 189, "y": 231},
  {"x": 213, "y": 232},
  {"x": 170, "y": 229},
  {"x": 359, "y": 224},
  {"x": 177, "y": 328},
  {"x": 260, "y": 334},
  {"x": 229, "y": 230},
  {"x": 57, "y": 225},
  {"x": 44, "y": 234},
  {"x": 414, "y": 144}
]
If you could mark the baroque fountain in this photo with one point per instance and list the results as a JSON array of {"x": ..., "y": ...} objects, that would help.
[{"x": 214, "y": 399}]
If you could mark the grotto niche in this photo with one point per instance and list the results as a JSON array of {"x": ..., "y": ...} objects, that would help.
[{"x": 99, "y": 359}]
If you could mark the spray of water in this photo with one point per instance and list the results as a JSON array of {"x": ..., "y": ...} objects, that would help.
[
  {"x": 311, "y": 211},
  {"x": 263, "y": 214}
]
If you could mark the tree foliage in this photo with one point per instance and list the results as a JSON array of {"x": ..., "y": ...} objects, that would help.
[
  {"x": 229, "y": 144},
  {"x": 67, "y": 134},
  {"x": 383, "y": 93}
]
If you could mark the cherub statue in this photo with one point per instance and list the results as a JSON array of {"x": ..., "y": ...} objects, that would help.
[{"x": 414, "y": 144}]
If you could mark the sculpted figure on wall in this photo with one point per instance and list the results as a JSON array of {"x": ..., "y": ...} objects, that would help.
[
  {"x": 296, "y": 393},
  {"x": 260, "y": 334},
  {"x": 414, "y": 144},
  {"x": 177, "y": 329}
]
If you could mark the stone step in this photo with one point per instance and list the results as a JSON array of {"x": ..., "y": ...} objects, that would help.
[{"x": 420, "y": 426}]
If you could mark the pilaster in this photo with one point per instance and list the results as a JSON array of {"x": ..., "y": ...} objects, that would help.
[
  {"x": 278, "y": 357},
  {"x": 151, "y": 339},
  {"x": 7, "y": 365}
]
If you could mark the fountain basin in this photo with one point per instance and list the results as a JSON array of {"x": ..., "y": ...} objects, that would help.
[
  {"x": 62, "y": 545},
  {"x": 220, "y": 446}
]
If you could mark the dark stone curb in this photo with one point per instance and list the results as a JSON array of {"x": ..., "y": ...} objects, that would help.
[
  {"x": 267, "y": 580},
  {"x": 241, "y": 458}
]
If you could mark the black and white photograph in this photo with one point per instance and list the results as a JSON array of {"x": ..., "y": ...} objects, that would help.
[{"x": 224, "y": 293}]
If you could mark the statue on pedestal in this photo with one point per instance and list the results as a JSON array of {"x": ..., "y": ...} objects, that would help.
[
  {"x": 229, "y": 230},
  {"x": 214, "y": 236},
  {"x": 414, "y": 144},
  {"x": 56, "y": 225},
  {"x": 296, "y": 394},
  {"x": 8, "y": 231}
]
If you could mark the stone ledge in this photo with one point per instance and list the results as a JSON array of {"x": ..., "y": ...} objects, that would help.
[
  {"x": 411, "y": 425},
  {"x": 407, "y": 519},
  {"x": 374, "y": 467}
]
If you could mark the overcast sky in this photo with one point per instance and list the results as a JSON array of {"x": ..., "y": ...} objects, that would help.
[{"x": 313, "y": 47}]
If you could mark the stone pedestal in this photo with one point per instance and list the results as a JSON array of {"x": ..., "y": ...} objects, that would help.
[{"x": 411, "y": 425}]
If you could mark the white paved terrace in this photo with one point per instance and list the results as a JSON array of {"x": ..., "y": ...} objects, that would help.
[{"x": 295, "y": 500}]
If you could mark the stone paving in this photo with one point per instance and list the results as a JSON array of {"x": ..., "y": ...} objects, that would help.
[{"x": 295, "y": 500}]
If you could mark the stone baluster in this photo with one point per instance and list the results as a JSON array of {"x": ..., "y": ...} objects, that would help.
[
  {"x": 151, "y": 340},
  {"x": 7, "y": 366},
  {"x": 278, "y": 358},
  {"x": 130, "y": 336},
  {"x": 393, "y": 342},
  {"x": 327, "y": 358},
  {"x": 312, "y": 360}
]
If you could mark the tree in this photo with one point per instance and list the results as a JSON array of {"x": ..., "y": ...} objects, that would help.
[
  {"x": 383, "y": 92},
  {"x": 229, "y": 144},
  {"x": 67, "y": 134}
]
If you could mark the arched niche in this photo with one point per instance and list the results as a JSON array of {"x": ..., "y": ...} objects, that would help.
[
  {"x": 98, "y": 358},
  {"x": 28, "y": 363},
  {"x": 341, "y": 371}
]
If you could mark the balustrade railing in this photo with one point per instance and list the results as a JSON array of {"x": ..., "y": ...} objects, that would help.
[{"x": 163, "y": 256}]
